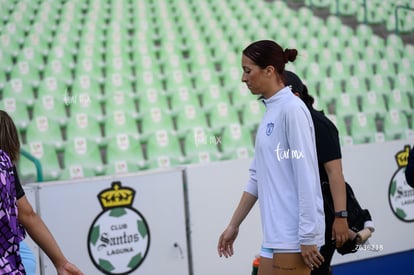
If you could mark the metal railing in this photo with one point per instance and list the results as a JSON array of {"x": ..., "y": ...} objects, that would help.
[{"x": 36, "y": 162}]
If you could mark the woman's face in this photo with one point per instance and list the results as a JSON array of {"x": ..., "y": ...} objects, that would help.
[{"x": 256, "y": 78}]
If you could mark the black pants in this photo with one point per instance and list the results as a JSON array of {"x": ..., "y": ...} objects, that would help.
[{"x": 328, "y": 249}]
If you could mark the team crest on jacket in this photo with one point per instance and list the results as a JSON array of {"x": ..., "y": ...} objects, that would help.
[{"x": 269, "y": 128}]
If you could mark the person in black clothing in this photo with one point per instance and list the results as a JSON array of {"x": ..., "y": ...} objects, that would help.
[
  {"x": 330, "y": 172},
  {"x": 409, "y": 170}
]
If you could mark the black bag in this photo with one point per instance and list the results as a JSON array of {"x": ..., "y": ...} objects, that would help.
[{"x": 356, "y": 216}]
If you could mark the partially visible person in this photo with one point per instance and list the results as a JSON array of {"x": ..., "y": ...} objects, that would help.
[
  {"x": 28, "y": 258},
  {"x": 330, "y": 172},
  {"x": 284, "y": 174},
  {"x": 17, "y": 213},
  {"x": 409, "y": 170}
]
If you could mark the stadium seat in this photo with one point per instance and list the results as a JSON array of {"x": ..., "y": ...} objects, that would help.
[
  {"x": 153, "y": 120},
  {"x": 124, "y": 155},
  {"x": 235, "y": 142},
  {"x": 252, "y": 113},
  {"x": 398, "y": 100},
  {"x": 183, "y": 95},
  {"x": 404, "y": 81},
  {"x": 48, "y": 158},
  {"x": 341, "y": 124},
  {"x": 17, "y": 110},
  {"x": 395, "y": 126},
  {"x": 379, "y": 83},
  {"x": 189, "y": 117},
  {"x": 364, "y": 128},
  {"x": 86, "y": 126},
  {"x": 51, "y": 106},
  {"x": 82, "y": 158},
  {"x": 43, "y": 129},
  {"x": 120, "y": 101},
  {"x": 212, "y": 95},
  {"x": 154, "y": 98},
  {"x": 372, "y": 102},
  {"x": 221, "y": 115},
  {"x": 85, "y": 103},
  {"x": 19, "y": 88},
  {"x": 120, "y": 122},
  {"x": 163, "y": 150},
  {"x": 346, "y": 104},
  {"x": 200, "y": 146}
]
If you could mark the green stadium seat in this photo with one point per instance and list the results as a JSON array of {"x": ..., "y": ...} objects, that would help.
[
  {"x": 364, "y": 129},
  {"x": 239, "y": 94},
  {"x": 252, "y": 113},
  {"x": 153, "y": 120},
  {"x": 153, "y": 97},
  {"x": 405, "y": 66},
  {"x": 163, "y": 150},
  {"x": 395, "y": 126},
  {"x": 177, "y": 78},
  {"x": 182, "y": 96},
  {"x": 57, "y": 87},
  {"x": 339, "y": 70},
  {"x": 341, "y": 124},
  {"x": 19, "y": 88},
  {"x": 43, "y": 129},
  {"x": 52, "y": 107},
  {"x": 87, "y": 103},
  {"x": 398, "y": 100},
  {"x": 86, "y": 126},
  {"x": 200, "y": 146},
  {"x": 58, "y": 68},
  {"x": 189, "y": 117},
  {"x": 380, "y": 83},
  {"x": 385, "y": 67},
  {"x": 346, "y": 8},
  {"x": 236, "y": 142},
  {"x": 346, "y": 104},
  {"x": 203, "y": 78},
  {"x": 404, "y": 81},
  {"x": 372, "y": 102},
  {"x": 330, "y": 87},
  {"x": 356, "y": 84},
  {"x": 221, "y": 115},
  {"x": 124, "y": 155},
  {"x": 27, "y": 71},
  {"x": 48, "y": 158},
  {"x": 120, "y": 101},
  {"x": 212, "y": 95},
  {"x": 120, "y": 122},
  {"x": 17, "y": 110},
  {"x": 82, "y": 158}
]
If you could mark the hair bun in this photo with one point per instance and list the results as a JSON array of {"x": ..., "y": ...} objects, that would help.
[{"x": 290, "y": 55}]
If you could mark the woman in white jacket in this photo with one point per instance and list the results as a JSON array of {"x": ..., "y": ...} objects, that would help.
[{"x": 284, "y": 174}]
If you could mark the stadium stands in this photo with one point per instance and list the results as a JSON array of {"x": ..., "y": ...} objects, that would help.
[{"x": 165, "y": 75}]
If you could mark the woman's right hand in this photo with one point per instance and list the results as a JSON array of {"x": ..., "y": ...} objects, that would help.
[{"x": 226, "y": 240}]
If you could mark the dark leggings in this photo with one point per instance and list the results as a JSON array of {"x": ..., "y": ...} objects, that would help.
[{"x": 328, "y": 249}]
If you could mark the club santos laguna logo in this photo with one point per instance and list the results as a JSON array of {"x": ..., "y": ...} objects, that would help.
[
  {"x": 119, "y": 237},
  {"x": 400, "y": 194}
]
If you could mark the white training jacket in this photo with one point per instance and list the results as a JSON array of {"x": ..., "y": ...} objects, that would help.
[{"x": 284, "y": 175}]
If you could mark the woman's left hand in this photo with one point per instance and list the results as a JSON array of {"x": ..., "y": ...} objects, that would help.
[{"x": 311, "y": 255}]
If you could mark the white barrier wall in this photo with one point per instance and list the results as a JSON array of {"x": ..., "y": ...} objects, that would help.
[
  {"x": 371, "y": 169},
  {"x": 146, "y": 237},
  {"x": 214, "y": 191},
  {"x": 77, "y": 219}
]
